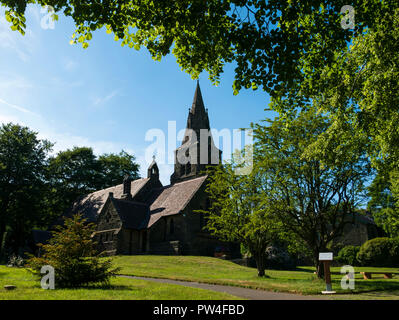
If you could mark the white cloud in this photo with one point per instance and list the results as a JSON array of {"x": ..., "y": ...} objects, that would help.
[
  {"x": 102, "y": 100},
  {"x": 16, "y": 107}
]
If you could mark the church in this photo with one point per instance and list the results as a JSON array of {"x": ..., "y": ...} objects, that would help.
[{"x": 144, "y": 217}]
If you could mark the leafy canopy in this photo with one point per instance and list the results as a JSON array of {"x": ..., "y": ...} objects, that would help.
[
  {"x": 314, "y": 194},
  {"x": 237, "y": 212},
  {"x": 273, "y": 43}
]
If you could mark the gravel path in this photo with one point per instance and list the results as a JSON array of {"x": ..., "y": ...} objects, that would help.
[{"x": 251, "y": 294}]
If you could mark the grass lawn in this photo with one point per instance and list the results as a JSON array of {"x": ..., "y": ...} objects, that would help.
[
  {"x": 28, "y": 288},
  {"x": 218, "y": 271}
]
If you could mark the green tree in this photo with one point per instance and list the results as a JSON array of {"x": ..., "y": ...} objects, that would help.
[
  {"x": 273, "y": 43},
  {"x": 79, "y": 171},
  {"x": 380, "y": 193},
  {"x": 385, "y": 205},
  {"x": 358, "y": 88},
  {"x": 73, "y": 173},
  {"x": 113, "y": 167},
  {"x": 394, "y": 217},
  {"x": 383, "y": 202},
  {"x": 313, "y": 194},
  {"x": 237, "y": 212},
  {"x": 72, "y": 253},
  {"x": 297, "y": 51},
  {"x": 23, "y": 187}
]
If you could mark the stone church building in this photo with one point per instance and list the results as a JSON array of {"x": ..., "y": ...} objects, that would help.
[{"x": 143, "y": 216}]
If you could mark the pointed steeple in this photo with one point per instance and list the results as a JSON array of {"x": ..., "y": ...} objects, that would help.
[
  {"x": 198, "y": 103},
  {"x": 198, "y": 149},
  {"x": 198, "y": 115}
]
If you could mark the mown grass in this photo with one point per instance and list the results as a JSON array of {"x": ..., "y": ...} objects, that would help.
[
  {"x": 218, "y": 271},
  {"x": 28, "y": 288}
]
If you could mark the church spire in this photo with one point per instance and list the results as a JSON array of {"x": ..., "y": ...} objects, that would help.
[
  {"x": 198, "y": 149},
  {"x": 198, "y": 115},
  {"x": 198, "y": 103}
]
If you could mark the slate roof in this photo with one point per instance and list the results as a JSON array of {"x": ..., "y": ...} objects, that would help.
[
  {"x": 91, "y": 205},
  {"x": 134, "y": 215},
  {"x": 172, "y": 199},
  {"x": 160, "y": 202}
]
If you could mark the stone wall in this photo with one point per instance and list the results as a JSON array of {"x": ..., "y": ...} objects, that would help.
[{"x": 108, "y": 230}]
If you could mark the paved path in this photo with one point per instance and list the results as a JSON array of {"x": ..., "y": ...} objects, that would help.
[{"x": 251, "y": 294}]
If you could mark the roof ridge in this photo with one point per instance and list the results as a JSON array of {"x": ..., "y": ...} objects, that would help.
[{"x": 117, "y": 185}]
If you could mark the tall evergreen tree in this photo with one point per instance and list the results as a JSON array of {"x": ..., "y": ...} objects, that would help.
[{"x": 23, "y": 187}]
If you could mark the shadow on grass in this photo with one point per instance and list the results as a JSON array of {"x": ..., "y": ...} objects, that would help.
[
  {"x": 303, "y": 270},
  {"x": 95, "y": 287},
  {"x": 371, "y": 287}
]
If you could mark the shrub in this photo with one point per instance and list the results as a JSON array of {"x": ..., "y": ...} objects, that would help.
[
  {"x": 348, "y": 255},
  {"x": 72, "y": 253},
  {"x": 379, "y": 252}
]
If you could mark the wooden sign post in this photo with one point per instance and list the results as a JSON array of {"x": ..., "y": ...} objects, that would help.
[{"x": 327, "y": 257}]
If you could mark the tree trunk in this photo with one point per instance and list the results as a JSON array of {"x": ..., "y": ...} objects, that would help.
[
  {"x": 318, "y": 264},
  {"x": 260, "y": 263}
]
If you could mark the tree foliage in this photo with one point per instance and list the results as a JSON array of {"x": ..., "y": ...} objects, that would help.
[
  {"x": 23, "y": 169},
  {"x": 36, "y": 188},
  {"x": 237, "y": 212},
  {"x": 314, "y": 194},
  {"x": 273, "y": 43},
  {"x": 379, "y": 252},
  {"x": 384, "y": 201},
  {"x": 297, "y": 51},
  {"x": 78, "y": 171},
  {"x": 348, "y": 255},
  {"x": 72, "y": 253}
]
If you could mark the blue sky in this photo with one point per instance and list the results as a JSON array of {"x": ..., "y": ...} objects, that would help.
[{"x": 107, "y": 96}]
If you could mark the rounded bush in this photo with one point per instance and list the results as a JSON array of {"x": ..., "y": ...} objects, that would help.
[
  {"x": 379, "y": 252},
  {"x": 348, "y": 255}
]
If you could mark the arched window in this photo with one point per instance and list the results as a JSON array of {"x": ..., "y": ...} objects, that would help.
[{"x": 172, "y": 227}]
